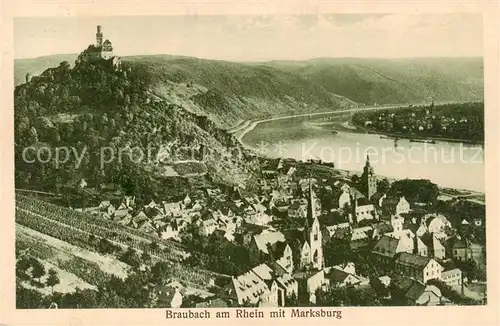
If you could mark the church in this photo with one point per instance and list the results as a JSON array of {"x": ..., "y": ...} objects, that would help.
[
  {"x": 368, "y": 179},
  {"x": 308, "y": 239}
]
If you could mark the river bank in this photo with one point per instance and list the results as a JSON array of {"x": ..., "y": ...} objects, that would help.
[{"x": 415, "y": 137}]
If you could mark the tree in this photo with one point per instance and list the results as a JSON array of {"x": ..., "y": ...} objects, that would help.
[
  {"x": 383, "y": 186},
  {"x": 160, "y": 271},
  {"x": 145, "y": 257},
  {"x": 22, "y": 266},
  {"x": 38, "y": 270},
  {"x": 53, "y": 279},
  {"x": 292, "y": 301}
]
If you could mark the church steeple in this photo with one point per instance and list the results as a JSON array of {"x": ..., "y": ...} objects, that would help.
[
  {"x": 311, "y": 205},
  {"x": 368, "y": 179}
]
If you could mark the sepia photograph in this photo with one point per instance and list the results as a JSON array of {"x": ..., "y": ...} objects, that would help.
[{"x": 190, "y": 162}]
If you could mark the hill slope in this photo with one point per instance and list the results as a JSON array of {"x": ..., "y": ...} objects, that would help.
[
  {"x": 230, "y": 91},
  {"x": 125, "y": 135}
]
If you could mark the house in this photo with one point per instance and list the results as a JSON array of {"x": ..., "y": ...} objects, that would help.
[
  {"x": 378, "y": 198},
  {"x": 436, "y": 223},
  {"x": 347, "y": 267},
  {"x": 365, "y": 212},
  {"x": 169, "y": 297},
  {"x": 418, "y": 267},
  {"x": 170, "y": 230},
  {"x": 451, "y": 275},
  {"x": 348, "y": 194},
  {"x": 344, "y": 199},
  {"x": 297, "y": 211},
  {"x": 331, "y": 227},
  {"x": 397, "y": 222},
  {"x": 381, "y": 228},
  {"x": 434, "y": 245},
  {"x": 152, "y": 204},
  {"x": 207, "y": 227},
  {"x": 129, "y": 201},
  {"x": 404, "y": 233},
  {"x": 126, "y": 220},
  {"x": 258, "y": 218},
  {"x": 139, "y": 218},
  {"x": 419, "y": 248},
  {"x": 286, "y": 284},
  {"x": 250, "y": 288},
  {"x": 415, "y": 292},
  {"x": 360, "y": 237},
  {"x": 245, "y": 232},
  {"x": 260, "y": 245},
  {"x": 403, "y": 207},
  {"x": 282, "y": 254},
  {"x": 146, "y": 227},
  {"x": 385, "y": 280},
  {"x": 212, "y": 303},
  {"x": 172, "y": 209},
  {"x": 309, "y": 282},
  {"x": 387, "y": 247},
  {"x": 458, "y": 248},
  {"x": 339, "y": 277},
  {"x": 187, "y": 201}
]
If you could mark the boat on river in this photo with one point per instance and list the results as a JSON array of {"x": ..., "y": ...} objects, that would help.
[
  {"x": 426, "y": 141},
  {"x": 389, "y": 137}
]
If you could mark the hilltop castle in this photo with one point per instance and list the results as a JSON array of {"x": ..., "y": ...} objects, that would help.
[{"x": 102, "y": 51}]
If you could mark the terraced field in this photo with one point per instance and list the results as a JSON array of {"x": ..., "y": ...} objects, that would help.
[{"x": 61, "y": 237}]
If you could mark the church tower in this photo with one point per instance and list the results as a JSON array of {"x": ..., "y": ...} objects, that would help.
[
  {"x": 368, "y": 179},
  {"x": 98, "y": 36},
  {"x": 313, "y": 232}
]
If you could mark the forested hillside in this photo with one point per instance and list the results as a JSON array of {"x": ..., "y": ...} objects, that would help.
[
  {"x": 92, "y": 110},
  {"x": 230, "y": 91}
]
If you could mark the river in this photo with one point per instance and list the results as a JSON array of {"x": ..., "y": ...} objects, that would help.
[{"x": 447, "y": 164}]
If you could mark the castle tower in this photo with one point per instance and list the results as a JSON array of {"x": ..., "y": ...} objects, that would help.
[
  {"x": 313, "y": 228},
  {"x": 368, "y": 179},
  {"x": 98, "y": 36}
]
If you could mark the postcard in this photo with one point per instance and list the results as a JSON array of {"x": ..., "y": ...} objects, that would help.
[{"x": 181, "y": 163}]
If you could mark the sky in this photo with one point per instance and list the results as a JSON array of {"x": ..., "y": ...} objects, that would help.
[{"x": 258, "y": 38}]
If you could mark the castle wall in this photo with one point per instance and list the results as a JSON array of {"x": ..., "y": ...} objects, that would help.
[{"x": 106, "y": 55}]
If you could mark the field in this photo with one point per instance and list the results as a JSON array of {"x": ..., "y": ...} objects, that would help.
[
  {"x": 60, "y": 236},
  {"x": 64, "y": 254}
]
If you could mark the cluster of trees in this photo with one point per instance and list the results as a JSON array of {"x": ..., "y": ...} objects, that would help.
[
  {"x": 458, "y": 121},
  {"x": 415, "y": 190},
  {"x": 456, "y": 297},
  {"x": 217, "y": 254},
  {"x": 348, "y": 296},
  {"x": 131, "y": 292},
  {"x": 31, "y": 269}
]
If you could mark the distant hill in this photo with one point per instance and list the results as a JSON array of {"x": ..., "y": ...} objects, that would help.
[
  {"x": 36, "y": 66},
  {"x": 229, "y": 91},
  {"x": 397, "y": 80}
]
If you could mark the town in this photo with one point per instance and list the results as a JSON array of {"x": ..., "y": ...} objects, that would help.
[
  {"x": 306, "y": 234},
  {"x": 302, "y": 237}
]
